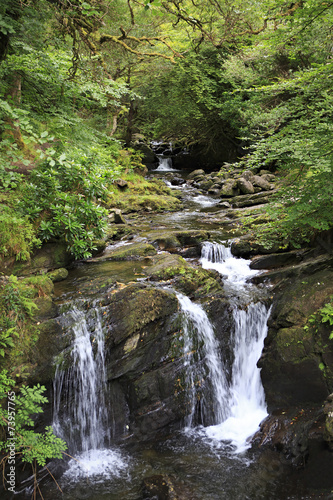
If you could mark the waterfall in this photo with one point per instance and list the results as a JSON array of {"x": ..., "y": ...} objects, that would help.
[
  {"x": 164, "y": 164},
  {"x": 83, "y": 387},
  {"x": 80, "y": 413},
  {"x": 243, "y": 401},
  {"x": 200, "y": 343}
]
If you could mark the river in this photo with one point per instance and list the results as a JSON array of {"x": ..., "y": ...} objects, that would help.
[{"x": 210, "y": 457}]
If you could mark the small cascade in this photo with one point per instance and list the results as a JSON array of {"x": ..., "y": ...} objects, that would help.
[
  {"x": 83, "y": 387},
  {"x": 165, "y": 164},
  {"x": 246, "y": 403},
  {"x": 80, "y": 411},
  {"x": 206, "y": 369}
]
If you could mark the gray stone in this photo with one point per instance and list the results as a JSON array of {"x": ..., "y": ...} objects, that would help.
[
  {"x": 260, "y": 182},
  {"x": 118, "y": 217},
  {"x": 195, "y": 173},
  {"x": 245, "y": 186},
  {"x": 230, "y": 188},
  {"x": 248, "y": 175}
]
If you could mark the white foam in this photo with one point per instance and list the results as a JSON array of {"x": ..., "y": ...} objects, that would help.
[{"x": 107, "y": 463}]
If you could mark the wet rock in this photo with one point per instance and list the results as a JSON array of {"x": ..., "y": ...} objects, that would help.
[
  {"x": 50, "y": 344},
  {"x": 206, "y": 184},
  {"x": 307, "y": 267},
  {"x": 214, "y": 191},
  {"x": 245, "y": 247},
  {"x": 278, "y": 259},
  {"x": 132, "y": 251},
  {"x": 174, "y": 241},
  {"x": 58, "y": 275},
  {"x": 177, "y": 181},
  {"x": 296, "y": 363},
  {"x": 132, "y": 308},
  {"x": 289, "y": 432},
  {"x": 196, "y": 173},
  {"x": 245, "y": 186},
  {"x": 117, "y": 217},
  {"x": 166, "y": 265},
  {"x": 224, "y": 204}
]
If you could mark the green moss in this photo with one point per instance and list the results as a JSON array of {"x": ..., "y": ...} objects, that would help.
[
  {"x": 22, "y": 303},
  {"x": 142, "y": 195},
  {"x": 133, "y": 251},
  {"x": 192, "y": 281}
]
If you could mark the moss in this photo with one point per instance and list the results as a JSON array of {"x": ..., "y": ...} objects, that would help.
[
  {"x": 293, "y": 344},
  {"x": 142, "y": 195},
  {"x": 132, "y": 251},
  {"x": 23, "y": 303},
  {"x": 58, "y": 275},
  {"x": 193, "y": 281}
]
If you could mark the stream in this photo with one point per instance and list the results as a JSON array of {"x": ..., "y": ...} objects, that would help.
[{"x": 210, "y": 457}]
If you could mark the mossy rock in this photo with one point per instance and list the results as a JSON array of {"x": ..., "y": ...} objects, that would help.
[
  {"x": 297, "y": 362},
  {"x": 133, "y": 307},
  {"x": 173, "y": 240},
  {"x": 248, "y": 246},
  {"x": 166, "y": 241},
  {"x": 133, "y": 251},
  {"x": 37, "y": 286},
  {"x": 50, "y": 256},
  {"x": 193, "y": 281},
  {"x": 58, "y": 275},
  {"x": 166, "y": 266}
]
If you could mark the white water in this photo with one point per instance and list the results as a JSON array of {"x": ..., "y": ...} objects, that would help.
[
  {"x": 165, "y": 164},
  {"x": 84, "y": 421},
  {"x": 196, "y": 324},
  {"x": 246, "y": 406},
  {"x": 204, "y": 201},
  {"x": 217, "y": 256}
]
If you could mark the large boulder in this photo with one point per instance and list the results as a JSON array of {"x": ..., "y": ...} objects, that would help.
[
  {"x": 230, "y": 188},
  {"x": 261, "y": 183},
  {"x": 245, "y": 186},
  {"x": 132, "y": 251},
  {"x": 297, "y": 360},
  {"x": 50, "y": 256}
]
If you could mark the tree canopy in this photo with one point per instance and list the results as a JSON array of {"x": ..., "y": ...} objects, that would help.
[{"x": 78, "y": 78}]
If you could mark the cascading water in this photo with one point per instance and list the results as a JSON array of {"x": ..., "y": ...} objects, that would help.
[
  {"x": 165, "y": 164},
  {"x": 80, "y": 412},
  {"x": 243, "y": 400},
  {"x": 197, "y": 325}
]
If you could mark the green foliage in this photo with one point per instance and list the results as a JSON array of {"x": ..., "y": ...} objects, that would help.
[
  {"x": 188, "y": 110},
  {"x": 18, "y": 405},
  {"x": 30, "y": 446},
  {"x": 17, "y": 235},
  {"x": 15, "y": 307},
  {"x": 67, "y": 191},
  {"x": 323, "y": 315}
]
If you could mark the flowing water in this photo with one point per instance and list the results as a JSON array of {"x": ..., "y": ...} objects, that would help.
[
  {"x": 210, "y": 458},
  {"x": 199, "y": 330},
  {"x": 165, "y": 164},
  {"x": 80, "y": 414}
]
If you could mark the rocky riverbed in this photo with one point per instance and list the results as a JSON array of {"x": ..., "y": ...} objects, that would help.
[{"x": 133, "y": 281}]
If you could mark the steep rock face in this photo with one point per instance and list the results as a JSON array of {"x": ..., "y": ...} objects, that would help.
[
  {"x": 144, "y": 352},
  {"x": 297, "y": 361}
]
